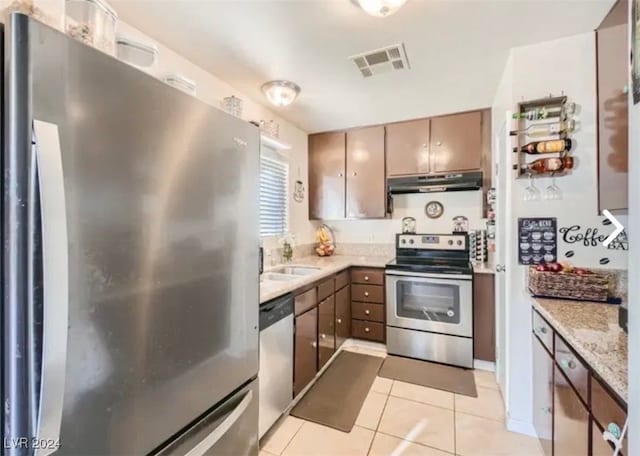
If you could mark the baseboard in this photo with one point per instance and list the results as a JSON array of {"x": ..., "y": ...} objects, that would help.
[
  {"x": 484, "y": 365},
  {"x": 364, "y": 344},
  {"x": 521, "y": 427}
]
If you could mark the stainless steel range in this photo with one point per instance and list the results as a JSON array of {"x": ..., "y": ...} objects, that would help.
[{"x": 430, "y": 299}]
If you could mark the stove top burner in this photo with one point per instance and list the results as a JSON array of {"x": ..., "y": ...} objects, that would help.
[{"x": 437, "y": 266}]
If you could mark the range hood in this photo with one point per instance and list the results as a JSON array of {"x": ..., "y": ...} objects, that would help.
[{"x": 433, "y": 183}]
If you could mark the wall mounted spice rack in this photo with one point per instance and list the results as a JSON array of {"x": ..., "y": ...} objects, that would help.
[{"x": 541, "y": 120}]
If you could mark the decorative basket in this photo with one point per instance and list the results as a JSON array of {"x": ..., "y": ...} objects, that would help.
[{"x": 593, "y": 286}]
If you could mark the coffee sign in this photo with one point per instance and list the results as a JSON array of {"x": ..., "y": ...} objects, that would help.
[{"x": 537, "y": 240}]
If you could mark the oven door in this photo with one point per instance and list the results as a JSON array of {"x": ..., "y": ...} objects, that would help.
[{"x": 430, "y": 302}]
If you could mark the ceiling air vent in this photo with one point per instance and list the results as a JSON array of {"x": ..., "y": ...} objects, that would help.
[{"x": 390, "y": 58}]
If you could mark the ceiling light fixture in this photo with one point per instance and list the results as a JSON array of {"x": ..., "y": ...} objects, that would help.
[
  {"x": 381, "y": 8},
  {"x": 280, "y": 93}
]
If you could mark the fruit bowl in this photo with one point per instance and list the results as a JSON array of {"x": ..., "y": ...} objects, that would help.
[{"x": 325, "y": 241}]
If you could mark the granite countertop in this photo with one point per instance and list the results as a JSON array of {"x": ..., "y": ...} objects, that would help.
[
  {"x": 592, "y": 330},
  {"x": 328, "y": 265},
  {"x": 484, "y": 268}
]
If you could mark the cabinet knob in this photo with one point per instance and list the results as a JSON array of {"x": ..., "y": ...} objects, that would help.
[
  {"x": 546, "y": 410},
  {"x": 339, "y": 321},
  {"x": 340, "y": 174},
  {"x": 542, "y": 329},
  {"x": 314, "y": 344},
  {"x": 439, "y": 143},
  {"x": 366, "y": 294},
  {"x": 354, "y": 174},
  {"x": 367, "y": 312},
  {"x": 500, "y": 268},
  {"x": 323, "y": 336},
  {"x": 366, "y": 278},
  {"x": 366, "y": 330},
  {"x": 567, "y": 363},
  {"x": 614, "y": 429}
]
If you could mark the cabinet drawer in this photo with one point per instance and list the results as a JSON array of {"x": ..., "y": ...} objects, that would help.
[
  {"x": 326, "y": 289},
  {"x": 367, "y": 330},
  {"x": 306, "y": 301},
  {"x": 372, "y": 276},
  {"x": 606, "y": 410},
  {"x": 342, "y": 279},
  {"x": 573, "y": 368},
  {"x": 543, "y": 330},
  {"x": 367, "y": 293},
  {"x": 367, "y": 311}
]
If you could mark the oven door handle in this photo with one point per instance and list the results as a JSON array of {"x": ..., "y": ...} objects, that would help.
[{"x": 426, "y": 277}]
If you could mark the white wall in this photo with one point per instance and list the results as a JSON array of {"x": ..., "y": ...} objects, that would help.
[
  {"x": 634, "y": 272},
  {"x": 383, "y": 231},
  {"x": 561, "y": 66}
]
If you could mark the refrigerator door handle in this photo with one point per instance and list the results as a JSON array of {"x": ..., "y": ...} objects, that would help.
[
  {"x": 55, "y": 277},
  {"x": 209, "y": 441}
]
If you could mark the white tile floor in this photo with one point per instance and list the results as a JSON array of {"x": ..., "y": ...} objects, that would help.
[{"x": 403, "y": 419}]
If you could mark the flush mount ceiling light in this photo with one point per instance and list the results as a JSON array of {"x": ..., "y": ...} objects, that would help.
[
  {"x": 381, "y": 8},
  {"x": 280, "y": 93}
]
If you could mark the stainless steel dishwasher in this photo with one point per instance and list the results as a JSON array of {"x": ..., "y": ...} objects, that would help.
[{"x": 276, "y": 360}]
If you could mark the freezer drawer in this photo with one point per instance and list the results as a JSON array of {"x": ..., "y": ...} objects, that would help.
[{"x": 231, "y": 428}]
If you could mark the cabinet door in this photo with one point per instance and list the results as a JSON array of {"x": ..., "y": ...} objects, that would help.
[
  {"x": 456, "y": 142},
  {"x": 613, "y": 114},
  {"x": 484, "y": 322},
  {"x": 407, "y": 147},
  {"x": 366, "y": 187},
  {"x": 306, "y": 350},
  {"x": 327, "y": 176},
  {"x": 326, "y": 330},
  {"x": 542, "y": 395},
  {"x": 343, "y": 315},
  {"x": 570, "y": 419}
]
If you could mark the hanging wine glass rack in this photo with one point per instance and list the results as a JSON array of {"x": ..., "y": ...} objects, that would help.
[{"x": 543, "y": 119}]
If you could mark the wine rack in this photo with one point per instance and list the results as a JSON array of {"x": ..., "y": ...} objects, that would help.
[{"x": 553, "y": 113}]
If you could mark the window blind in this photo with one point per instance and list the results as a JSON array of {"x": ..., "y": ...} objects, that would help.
[{"x": 274, "y": 179}]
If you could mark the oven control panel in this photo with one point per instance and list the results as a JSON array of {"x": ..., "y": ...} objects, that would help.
[{"x": 432, "y": 241}]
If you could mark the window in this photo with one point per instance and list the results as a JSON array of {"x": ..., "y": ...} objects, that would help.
[{"x": 274, "y": 180}]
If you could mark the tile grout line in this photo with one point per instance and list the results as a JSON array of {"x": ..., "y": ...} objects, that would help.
[
  {"x": 292, "y": 437},
  {"x": 423, "y": 403},
  {"x": 384, "y": 407},
  {"x": 414, "y": 442}
]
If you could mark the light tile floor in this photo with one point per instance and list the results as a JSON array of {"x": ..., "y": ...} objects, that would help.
[{"x": 399, "y": 418}]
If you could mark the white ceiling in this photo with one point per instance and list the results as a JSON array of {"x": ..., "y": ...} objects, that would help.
[{"x": 457, "y": 49}]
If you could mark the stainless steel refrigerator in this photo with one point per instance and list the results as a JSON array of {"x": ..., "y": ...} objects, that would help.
[{"x": 130, "y": 259}]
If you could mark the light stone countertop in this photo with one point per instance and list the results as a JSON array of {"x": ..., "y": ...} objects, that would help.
[
  {"x": 485, "y": 268},
  {"x": 328, "y": 265},
  {"x": 592, "y": 330}
]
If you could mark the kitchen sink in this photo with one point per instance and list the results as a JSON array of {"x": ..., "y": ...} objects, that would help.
[
  {"x": 277, "y": 276},
  {"x": 295, "y": 270}
]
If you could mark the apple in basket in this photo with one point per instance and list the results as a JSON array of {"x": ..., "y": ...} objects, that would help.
[
  {"x": 554, "y": 267},
  {"x": 542, "y": 267}
]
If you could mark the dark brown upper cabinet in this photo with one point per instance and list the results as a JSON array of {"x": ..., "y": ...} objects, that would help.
[
  {"x": 613, "y": 115},
  {"x": 327, "y": 167},
  {"x": 366, "y": 187},
  {"x": 456, "y": 142},
  {"x": 408, "y": 147}
]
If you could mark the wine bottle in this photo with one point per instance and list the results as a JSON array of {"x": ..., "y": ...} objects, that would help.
[
  {"x": 550, "y": 165},
  {"x": 547, "y": 129},
  {"x": 545, "y": 113},
  {"x": 546, "y": 147}
]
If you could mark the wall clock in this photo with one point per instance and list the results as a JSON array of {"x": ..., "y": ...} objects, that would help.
[{"x": 434, "y": 209}]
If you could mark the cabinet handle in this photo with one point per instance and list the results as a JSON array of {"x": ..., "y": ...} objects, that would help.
[
  {"x": 367, "y": 312},
  {"x": 366, "y": 330},
  {"x": 366, "y": 278},
  {"x": 339, "y": 321},
  {"x": 567, "y": 363},
  {"x": 614, "y": 429},
  {"x": 366, "y": 294}
]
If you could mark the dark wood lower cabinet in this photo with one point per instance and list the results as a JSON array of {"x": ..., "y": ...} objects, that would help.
[
  {"x": 484, "y": 317},
  {"x": 326, "y": 330},
  {"x": 599, "y": 446},
  {"x": 570, "y": 419},
  {"x": 343, "y": 315},
  {"x": 305, "y": 350},
  {"x": 543, "y": 395}
]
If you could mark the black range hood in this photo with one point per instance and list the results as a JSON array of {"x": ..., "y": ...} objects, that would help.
[{"x": 433, "y": 183}]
